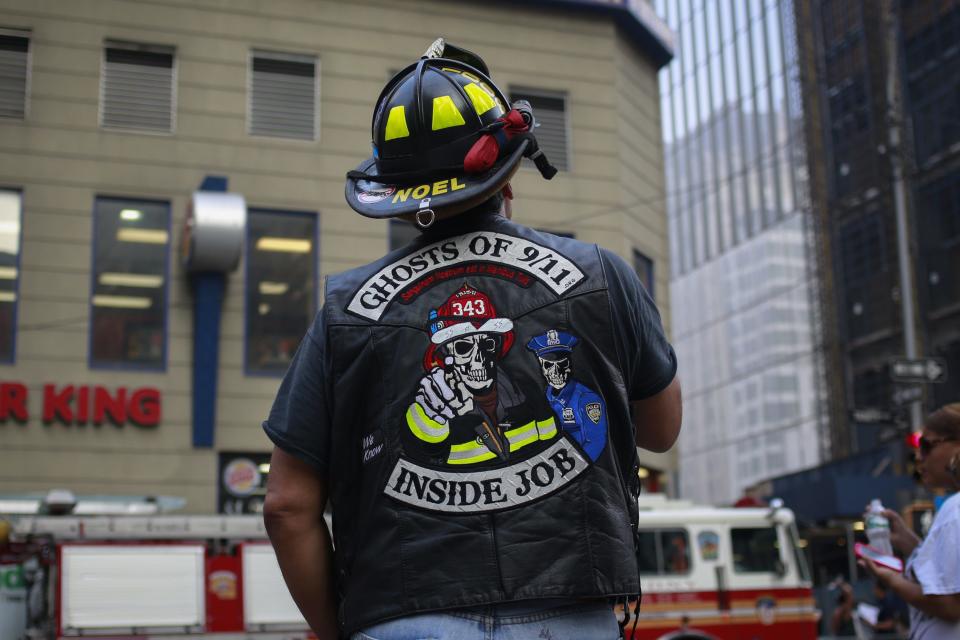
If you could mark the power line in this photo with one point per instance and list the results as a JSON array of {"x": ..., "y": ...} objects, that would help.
[{"x": 767, "y": 160}]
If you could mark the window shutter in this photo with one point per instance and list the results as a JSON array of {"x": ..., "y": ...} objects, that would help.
[
  {"x": 550, "y": 110},
  {"x": 137, "y": 89},
  {"x": 283, "y": 96},
  {"x": 14, "y": 49}
]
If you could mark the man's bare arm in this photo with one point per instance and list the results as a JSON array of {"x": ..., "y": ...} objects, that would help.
[
  {"x": 293, "y": 513},
  {"x": 656, "y": 420}
]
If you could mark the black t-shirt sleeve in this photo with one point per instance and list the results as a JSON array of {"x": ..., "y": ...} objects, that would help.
[
  {"x": 649, "y": 361},
  {"x": 299, "y": 421}
]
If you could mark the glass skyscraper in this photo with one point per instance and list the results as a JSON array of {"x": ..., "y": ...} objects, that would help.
[{"x": 743, "y": 276}]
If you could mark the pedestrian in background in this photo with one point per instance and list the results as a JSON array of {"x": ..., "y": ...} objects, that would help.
[
  {"x": 841, "y": 620},
  {"x": 930, "y": 584},
  {"x": 479, "y": 489}
]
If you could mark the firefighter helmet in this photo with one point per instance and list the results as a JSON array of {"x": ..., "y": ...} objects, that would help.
[
  {"x": 467, "y": 312},
  {"x": 427, "y": 120}
]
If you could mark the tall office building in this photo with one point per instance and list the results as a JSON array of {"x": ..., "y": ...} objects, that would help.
[
  {"x": 852, "y": 66},
  {"x": 743, "y": 278}
]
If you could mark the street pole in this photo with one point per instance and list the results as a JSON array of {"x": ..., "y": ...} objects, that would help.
[{"x": 894, "y": 118}]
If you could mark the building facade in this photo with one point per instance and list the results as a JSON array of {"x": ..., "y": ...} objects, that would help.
[
  {"x": 853, "y": 66},
  {"x": 743, "y": 275},
  {"x": 112, "y": 113}
]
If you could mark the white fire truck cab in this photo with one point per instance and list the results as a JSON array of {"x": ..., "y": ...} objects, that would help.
[{"x": 728, "y": 573}]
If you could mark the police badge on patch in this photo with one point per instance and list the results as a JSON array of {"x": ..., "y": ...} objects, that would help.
[
  {"x": 568, "y": 415},
  {"x": 593, "y": 412}
]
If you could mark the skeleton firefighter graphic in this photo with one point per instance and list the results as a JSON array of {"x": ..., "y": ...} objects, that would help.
[
  {"x": 581, "y": 411},
  {"x": 467, "y": 410}
]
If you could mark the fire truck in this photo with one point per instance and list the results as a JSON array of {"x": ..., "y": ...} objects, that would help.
[
  {"x": 707, "y": 574},
  {"x": 730, "y": 573},
  {"x": 146, "y": 578}
]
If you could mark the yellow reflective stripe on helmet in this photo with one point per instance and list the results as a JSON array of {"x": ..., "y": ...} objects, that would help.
[
  {"x": 446, "y": 114},
  {"x": 547, "y": 428},
  {"x": 396, "y": 124},
  {"x": 423, "y": 427},
  {"x": 482, "y": 101}
]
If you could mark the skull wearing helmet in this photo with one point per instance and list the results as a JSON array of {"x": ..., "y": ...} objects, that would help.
[
  {"x": 475, "y": 359},
  {"x": 556, "y": 370}
]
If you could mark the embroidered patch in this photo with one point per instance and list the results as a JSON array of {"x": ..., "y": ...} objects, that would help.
[
  {"x": 593, "y": 412},
  {"x": 478, "y": 437},
  {"x": 482, "y": 252},
  {"x": 568, "y": 415},
  {"x": 480, "y": 491}
]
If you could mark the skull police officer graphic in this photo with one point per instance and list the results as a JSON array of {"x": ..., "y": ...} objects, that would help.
[{"x": 477, "y": 434}]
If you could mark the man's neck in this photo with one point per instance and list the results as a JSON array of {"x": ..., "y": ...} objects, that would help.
[{"x": 467, "y": 220}]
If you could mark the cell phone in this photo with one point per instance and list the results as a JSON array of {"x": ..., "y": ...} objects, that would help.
[{"x": 866, "y": 551}]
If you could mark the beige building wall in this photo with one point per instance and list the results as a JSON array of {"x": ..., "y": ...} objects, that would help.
[{"x": 62, "y": 159}]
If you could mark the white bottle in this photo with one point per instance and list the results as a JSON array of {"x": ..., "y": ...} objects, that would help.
[{"x": 877, "y": 528}]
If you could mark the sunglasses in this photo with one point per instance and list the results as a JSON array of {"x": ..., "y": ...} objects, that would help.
[{"x": 926, "y": 445}]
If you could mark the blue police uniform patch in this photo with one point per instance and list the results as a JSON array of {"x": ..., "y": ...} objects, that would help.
[{"x": 580, "y": 409}]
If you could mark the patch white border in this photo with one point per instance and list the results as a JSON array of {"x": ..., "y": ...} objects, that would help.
[
  {"x": 547, "y": 265},
  {"x": 509, "y": 481}
]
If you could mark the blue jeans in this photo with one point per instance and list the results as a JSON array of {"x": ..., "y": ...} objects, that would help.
[{"x": 536, "y": 620}]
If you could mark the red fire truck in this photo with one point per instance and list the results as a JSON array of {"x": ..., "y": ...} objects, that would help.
[
  {"x": 730, "y": 573},
  {"x": 707, "y": 573},
  {"x": 147, "y": 577}
]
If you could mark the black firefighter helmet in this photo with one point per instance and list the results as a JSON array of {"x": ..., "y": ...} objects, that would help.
[{"x": 428, "y": 119}]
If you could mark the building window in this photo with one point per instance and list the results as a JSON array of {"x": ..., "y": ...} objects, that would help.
[
  {"x": 10, "y": 216},
  {"x": 933, "y": 89},
  {"x": 401, "y": 233},
  {"x": 283, "y": 95},
  {"x": 664, "y": 552},
  {"x": 14, "y": 72},
  {"x": 281, "y": 286},
  {"x": 644, "y": 268},
  {"x": 550, "y": 111},
  {"x": 866, "y": 281},
  {"x": 129, "y": 301},
  {"x": 137, "y": 89},
  {"x": 938, "y": 212}
]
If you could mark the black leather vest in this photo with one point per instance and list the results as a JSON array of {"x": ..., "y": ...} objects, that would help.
[{"x": 482, "y": 442}]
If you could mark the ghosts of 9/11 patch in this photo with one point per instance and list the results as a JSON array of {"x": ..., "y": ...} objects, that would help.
[{"x": 478, "y": 432}]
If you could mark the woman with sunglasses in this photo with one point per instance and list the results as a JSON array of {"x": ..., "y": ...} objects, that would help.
[{"x": 931, "y": 582}]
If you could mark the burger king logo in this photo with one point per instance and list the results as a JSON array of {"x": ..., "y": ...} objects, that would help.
[{"x": 241, "y": 477}]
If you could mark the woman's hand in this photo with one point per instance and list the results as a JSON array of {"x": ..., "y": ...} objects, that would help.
[
  {"x": 902, "y": 537},
  {"x": 881, "y": 574}
]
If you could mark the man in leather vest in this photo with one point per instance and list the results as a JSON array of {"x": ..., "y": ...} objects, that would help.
[{"x": 479, "y": 489}]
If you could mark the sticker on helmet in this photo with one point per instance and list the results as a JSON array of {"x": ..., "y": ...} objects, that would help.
[{"x": 371, "y": 196}]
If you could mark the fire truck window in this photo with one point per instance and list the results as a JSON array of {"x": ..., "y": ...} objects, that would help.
[
  {"x": 676, "y": 551},
  {"x": 129, "y": 292},
  {"x": 647, "y": 553},
  {"x": 664, "y": 552},
  {"x": 281, "y": 300},
  {"x": 755, "y": 550}
]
